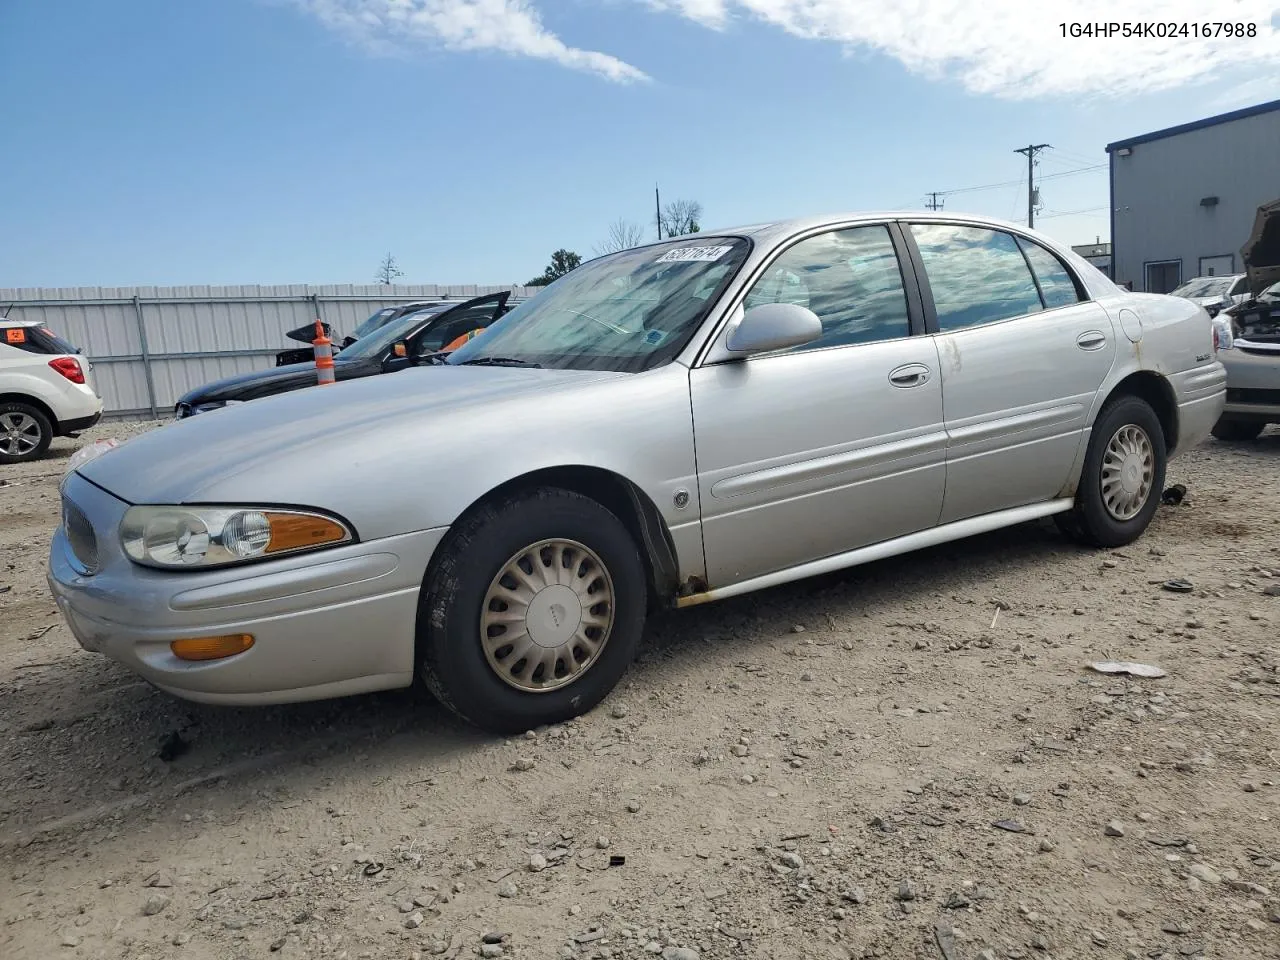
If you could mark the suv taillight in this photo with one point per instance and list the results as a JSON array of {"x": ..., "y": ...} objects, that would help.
[{"x": 69, "y": 367}]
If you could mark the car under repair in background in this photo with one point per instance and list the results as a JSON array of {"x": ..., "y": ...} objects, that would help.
[{"x": 1253, "y": 367}]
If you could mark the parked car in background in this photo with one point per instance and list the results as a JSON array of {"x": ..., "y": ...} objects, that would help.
[
  {"x": 1214, "y": 293},
  {"x": 669, "y": 425},
  {"x": 1253, "y": 366},
  {"x": 374, "y": 322},
  {"x": 417, "y": 334},
  {"x": 46, "y": 390}
]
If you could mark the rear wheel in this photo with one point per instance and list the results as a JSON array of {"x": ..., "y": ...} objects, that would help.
[
  {"x": 1123, "y": 475},
  {"x": 534, "y": 611},
  {"x": 1237, "y": 431},
  {"x": 25, "y": 433}
]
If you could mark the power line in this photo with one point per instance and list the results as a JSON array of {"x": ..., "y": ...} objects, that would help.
[
  {"x": 1070, "y": 213},
  {"x": 1022, "y": 180},
  {"x": 933, "y": 203}
]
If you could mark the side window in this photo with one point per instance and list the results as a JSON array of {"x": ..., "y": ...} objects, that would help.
[
  {"x": 849, "y": 278},
  {"x": 977, "y": 275},
  {"x": 1056, "y": 286},
  {"x": 437, "y": 335}
]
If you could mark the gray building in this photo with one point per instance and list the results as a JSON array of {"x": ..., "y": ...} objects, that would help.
[
  {"x": 1097, "y": 253},
  {"x": 1183, "y": 199}
]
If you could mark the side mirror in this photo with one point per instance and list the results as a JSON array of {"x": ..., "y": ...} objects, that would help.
[
  {"x": 392, "y": 364},
  {"x": 773, "y": 326}
]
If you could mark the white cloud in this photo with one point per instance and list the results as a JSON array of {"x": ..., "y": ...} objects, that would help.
[
  {"x": 508, "y": 26},
  {"x": 1014, "y": 48}
]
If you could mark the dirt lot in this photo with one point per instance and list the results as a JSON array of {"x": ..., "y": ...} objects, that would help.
[{"x": 871, "y": 764}]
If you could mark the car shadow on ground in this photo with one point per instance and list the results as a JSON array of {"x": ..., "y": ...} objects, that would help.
[{"x": 95, "y": 739}]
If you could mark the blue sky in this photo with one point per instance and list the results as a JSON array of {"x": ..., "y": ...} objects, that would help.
[{"x": 296, "y": 141}]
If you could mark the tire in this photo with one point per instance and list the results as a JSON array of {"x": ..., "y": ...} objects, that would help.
[
  {"x": 1092, "y": 520},
  {"x": 484, "y": 681},
  {"x": 1237, "y": 431},
  {"x": 25, "y": 433}
]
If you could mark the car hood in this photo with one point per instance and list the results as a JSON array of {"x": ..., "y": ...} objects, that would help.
[
  {"x": 262, "y": 383},
  {"x": 1261, "y": 253},
  {"x": 230, "y": 455}
]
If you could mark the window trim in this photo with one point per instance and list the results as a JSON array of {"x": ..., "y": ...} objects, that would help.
[
  {"x": 926, "y": 288},
  {"x": 1154, "y": 263},
  {"x": 915, "y": 313},
  {"x": 1082, "y": 292}
]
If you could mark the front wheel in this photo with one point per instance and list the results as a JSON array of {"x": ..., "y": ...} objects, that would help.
[
  {"x": 533, "y": 612},
  {"x": 1237, "y": 431},
  {"x": 1123, "y": 475}
]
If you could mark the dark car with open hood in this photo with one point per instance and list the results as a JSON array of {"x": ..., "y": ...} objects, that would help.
[
  {"x": 389, "y": 347},
  {"x": 1253, "y": 366}
]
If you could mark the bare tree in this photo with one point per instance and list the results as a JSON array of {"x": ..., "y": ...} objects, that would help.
[
  {"x": 623, "y": 235},
  {"x": 388, "y": 271},
  {"x": 680, "y": 217}
]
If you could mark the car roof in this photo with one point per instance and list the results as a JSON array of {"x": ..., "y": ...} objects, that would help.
[
  {"x": 783, "y": 228},
  {"x": 6, "y": 322}
]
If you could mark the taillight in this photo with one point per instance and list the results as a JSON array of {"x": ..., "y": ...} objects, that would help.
[{"x": 69, "y": 367}]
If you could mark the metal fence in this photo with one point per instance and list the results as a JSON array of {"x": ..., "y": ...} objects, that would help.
[{"x": 150, "y": 345}]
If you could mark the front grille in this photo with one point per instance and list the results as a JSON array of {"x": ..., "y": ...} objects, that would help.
[{"x": 80, "y": 536}]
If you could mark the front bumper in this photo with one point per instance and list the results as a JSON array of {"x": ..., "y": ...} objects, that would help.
[
  {"x": 325, "y": 624},
  {"x": 1253, "y": 384}
]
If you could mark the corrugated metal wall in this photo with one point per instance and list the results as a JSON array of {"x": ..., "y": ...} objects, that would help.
[
  {"x": 1192, "y": 195},
  {"x": 150, "y": 345}
]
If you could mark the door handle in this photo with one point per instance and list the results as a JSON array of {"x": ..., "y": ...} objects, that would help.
[
  {"x": 1091, "y": 340},
  {"x": 909, "y": 375}
]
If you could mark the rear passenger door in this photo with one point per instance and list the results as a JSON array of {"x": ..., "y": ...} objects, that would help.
[{"x": 1023, "y": 353}]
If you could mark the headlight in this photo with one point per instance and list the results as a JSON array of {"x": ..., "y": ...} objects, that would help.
[{"x": 186, "y": 537}]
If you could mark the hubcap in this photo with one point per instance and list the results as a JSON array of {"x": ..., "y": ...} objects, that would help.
[
  {"x": 1128, "y": 468},
  {"x": 547, "y": 615},
  {"x": 19, "y": 434}
]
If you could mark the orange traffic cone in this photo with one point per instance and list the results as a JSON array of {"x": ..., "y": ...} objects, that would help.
[{"x": 324, "y": 356}]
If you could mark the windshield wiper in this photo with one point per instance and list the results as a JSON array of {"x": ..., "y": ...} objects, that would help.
[{"x": 499, "y": 362}]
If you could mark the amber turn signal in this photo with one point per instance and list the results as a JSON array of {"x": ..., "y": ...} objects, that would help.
[
  {"x": 211, "y": 648},
  {"x": 293, "y": 531}
]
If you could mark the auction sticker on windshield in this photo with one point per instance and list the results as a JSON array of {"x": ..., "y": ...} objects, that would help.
[{"x": 693, "y": 254}]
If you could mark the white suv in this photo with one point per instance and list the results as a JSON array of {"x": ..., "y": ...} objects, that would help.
[{"x": 46, "y": 390}]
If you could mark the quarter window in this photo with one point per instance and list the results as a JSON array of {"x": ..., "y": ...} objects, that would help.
[
  {"x": 1057, "y": 289},
  {"x": 977, "y": 275},
  {"x": 849, "y": 278}
]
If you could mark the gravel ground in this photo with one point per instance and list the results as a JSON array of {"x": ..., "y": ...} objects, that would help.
[{"x": 907, "y": 760}]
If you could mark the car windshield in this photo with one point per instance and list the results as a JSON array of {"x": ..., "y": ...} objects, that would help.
[
  {"x": 628, "y": 311},
  {"x": 1204, "y": 287},
  {"x": 381, "y": 339},
  {"x": 1270, "y": 293},
  {"x": 373, "y": 322}
]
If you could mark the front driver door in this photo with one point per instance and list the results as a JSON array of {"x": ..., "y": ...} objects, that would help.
[{"x": 833, "y": 445}]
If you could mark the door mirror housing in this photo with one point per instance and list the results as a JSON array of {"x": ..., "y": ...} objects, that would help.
[
  {"x": 773, "y": 326},
  {"x": 394, "y": 363}
]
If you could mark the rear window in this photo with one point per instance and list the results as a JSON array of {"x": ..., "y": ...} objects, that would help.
[{"x": 36, "y": 340}]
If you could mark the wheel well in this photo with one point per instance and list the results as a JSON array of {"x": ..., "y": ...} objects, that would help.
[
  {"x": 31, "y": 402},
  {"x": 1155, "y": 390},
  {"x": 625, "y": 501}
]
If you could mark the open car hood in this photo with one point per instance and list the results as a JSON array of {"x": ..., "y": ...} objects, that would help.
[
  {"x": 1261, "y": 253},
  {"x": 307, "y": 334}
]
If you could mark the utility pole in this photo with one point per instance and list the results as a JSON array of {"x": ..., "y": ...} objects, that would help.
[
  {"x": 1031, "y": 150},
  {"x": 657, "y": 209},
  {"x": 933, "y": 203}
]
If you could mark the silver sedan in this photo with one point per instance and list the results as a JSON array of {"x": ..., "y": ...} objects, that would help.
[{"x": 665, "y": 426}]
